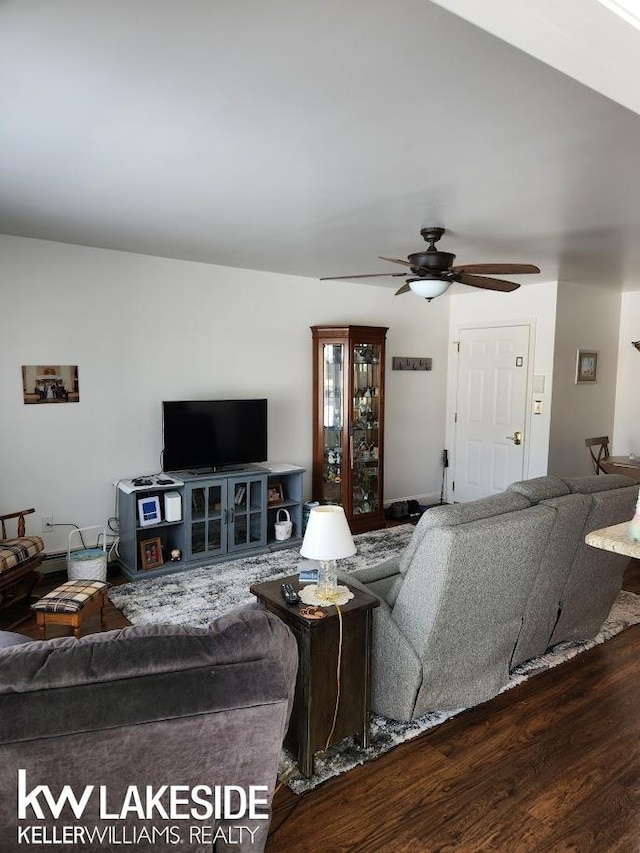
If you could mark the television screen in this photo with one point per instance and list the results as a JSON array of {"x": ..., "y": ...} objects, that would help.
[{"x": 213, "y": 433}]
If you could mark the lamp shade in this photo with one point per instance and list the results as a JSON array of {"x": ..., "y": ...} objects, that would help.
[
  {"x": 429, "y": 288},
  {"x": 327, "y": 536}
]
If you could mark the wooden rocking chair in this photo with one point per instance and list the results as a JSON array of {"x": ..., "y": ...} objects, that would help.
[{"x": 19, "y": 560}]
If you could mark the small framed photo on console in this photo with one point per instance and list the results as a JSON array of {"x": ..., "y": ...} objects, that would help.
[
  {"x": 151, "y": 553},
  {"x": 149, "y": 511},
  {"x": 275, "y": 494}
]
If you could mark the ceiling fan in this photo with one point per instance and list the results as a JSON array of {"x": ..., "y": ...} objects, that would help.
[{"x": 432, "y": 271}]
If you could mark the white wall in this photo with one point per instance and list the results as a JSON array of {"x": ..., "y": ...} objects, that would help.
[
  {"x": 587, "y": 318},
  {"x": 143, "y": 329},
  {"x": 626, "y": 431},
  {"x": 532, "y": 303}
]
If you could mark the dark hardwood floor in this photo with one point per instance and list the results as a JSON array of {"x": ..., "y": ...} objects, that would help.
[{"x": 553, "y": 765}]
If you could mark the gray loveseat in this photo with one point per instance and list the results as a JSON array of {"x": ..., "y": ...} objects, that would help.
[
  {"x": 486, "y": 585},
  {"x": 150, "y": 706}
]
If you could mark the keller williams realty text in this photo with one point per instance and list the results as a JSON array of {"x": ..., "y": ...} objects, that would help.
[
  {"x": 115, "y": 835},
  {"x": 165, "y": 802}
]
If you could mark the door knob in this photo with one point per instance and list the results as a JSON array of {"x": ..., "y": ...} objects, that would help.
[{"x": 516, "y": 438}]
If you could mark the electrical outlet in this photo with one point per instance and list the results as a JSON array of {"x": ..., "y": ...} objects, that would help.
[{"x": 47, "y": 524}]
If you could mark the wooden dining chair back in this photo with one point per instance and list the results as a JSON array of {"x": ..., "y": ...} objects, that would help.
[{"x": 598, "y": 449}]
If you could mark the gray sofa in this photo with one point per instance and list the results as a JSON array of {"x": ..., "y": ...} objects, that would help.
[
  {"x": 155, "y": 705},
  {"x": 486, "y": 585}
]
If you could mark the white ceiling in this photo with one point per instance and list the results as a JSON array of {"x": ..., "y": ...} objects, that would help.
[{"x": 308, "y": 138}]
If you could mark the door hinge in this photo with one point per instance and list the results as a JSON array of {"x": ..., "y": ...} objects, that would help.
[
  {"x": 457, "y": 343},
  {"x": 455, "y": 418},
  {"x": 453, "y": 486}
]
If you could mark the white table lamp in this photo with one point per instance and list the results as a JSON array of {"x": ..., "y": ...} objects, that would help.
[{"x": 327, "y": 539}]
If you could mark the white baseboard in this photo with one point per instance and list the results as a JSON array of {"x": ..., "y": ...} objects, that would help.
[
  {"x": 422, "y": 499},
  {"x": 54, "y": 563}
]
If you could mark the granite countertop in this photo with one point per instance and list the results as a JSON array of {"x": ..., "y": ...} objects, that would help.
[{"x": 615, "y": 538}]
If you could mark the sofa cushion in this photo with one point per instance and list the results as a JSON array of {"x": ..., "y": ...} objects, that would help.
[
  {"x": 16, "y": 551},
  {"x": 540, "y": 488},
  {"x": 598, "y": 483},
  {"x": 8, "y": 638},
  {"x": 240, "y": 635},
  {"x": 451, "y": 515}
]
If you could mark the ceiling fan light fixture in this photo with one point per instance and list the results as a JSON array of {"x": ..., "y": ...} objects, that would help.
[{"x": 428, "y": 288}]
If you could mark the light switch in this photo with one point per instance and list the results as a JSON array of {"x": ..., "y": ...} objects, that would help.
[{"x": 537, "y": 407}]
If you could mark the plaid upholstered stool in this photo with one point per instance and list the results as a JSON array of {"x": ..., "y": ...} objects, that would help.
[{"x": 69, "y": 603}]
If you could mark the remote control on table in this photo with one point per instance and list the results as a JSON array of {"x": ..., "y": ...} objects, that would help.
[{"x": 289, "y": 594}]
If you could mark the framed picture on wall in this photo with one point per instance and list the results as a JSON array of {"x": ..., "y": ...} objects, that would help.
[
  {"x": 50, "y": 383},
  {"x": 586, "y": 366}
]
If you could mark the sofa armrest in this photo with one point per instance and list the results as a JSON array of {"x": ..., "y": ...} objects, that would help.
[
  {"x": 381, "y": 571},
  {"x": 9, "y": 638},
  {"x": 395, "y": 661},
  {"x": 384, "y": 579}
]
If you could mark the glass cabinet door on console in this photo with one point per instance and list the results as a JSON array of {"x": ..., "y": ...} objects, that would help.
[
  {"x": 206, "y": 512},
  {"x": 247, "y": 518},
  {"x": 225, "y": 514},
  {"x": 349, "y": 421}
]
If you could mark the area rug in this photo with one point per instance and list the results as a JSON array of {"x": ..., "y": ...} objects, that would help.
[{"x": 197, "y": 596}]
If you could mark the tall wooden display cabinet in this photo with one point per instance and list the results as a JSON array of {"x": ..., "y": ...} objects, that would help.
[{"x": 348, "y": 418}]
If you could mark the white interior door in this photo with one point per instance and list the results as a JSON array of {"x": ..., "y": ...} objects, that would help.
[{"x": 490, "y": 410}]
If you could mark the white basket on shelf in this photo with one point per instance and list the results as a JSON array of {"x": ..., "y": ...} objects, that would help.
[
  {"x": 283, "y": 529},
  {"x": 87, "y": 564}
]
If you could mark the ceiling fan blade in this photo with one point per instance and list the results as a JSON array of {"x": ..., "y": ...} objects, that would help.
[
  {"x": 364, "y": 275},
  {"x": 499, "y": 269},
  {"x": 395, "y": 261},
  {"x": 404, "y": 289},
  {"x": 486, "y": 283}
]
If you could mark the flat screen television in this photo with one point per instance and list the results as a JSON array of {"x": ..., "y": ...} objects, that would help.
[{"x": 213, "y": 434}]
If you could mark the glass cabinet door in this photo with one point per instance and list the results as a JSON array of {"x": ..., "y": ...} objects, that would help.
[
  {"x": 206, "y": 533},
  {"x": 332, "y": 378},
  {"x": 247, "y": 525},
  {"x": 365, "y": 428}
]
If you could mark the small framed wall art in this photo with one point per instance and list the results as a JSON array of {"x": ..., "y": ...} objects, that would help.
[
  {"x": 50, "y": 383},
  {"x": 586, "y": 366}
]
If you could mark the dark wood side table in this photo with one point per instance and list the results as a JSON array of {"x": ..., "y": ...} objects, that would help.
[{"x": 316, "y": 685}]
